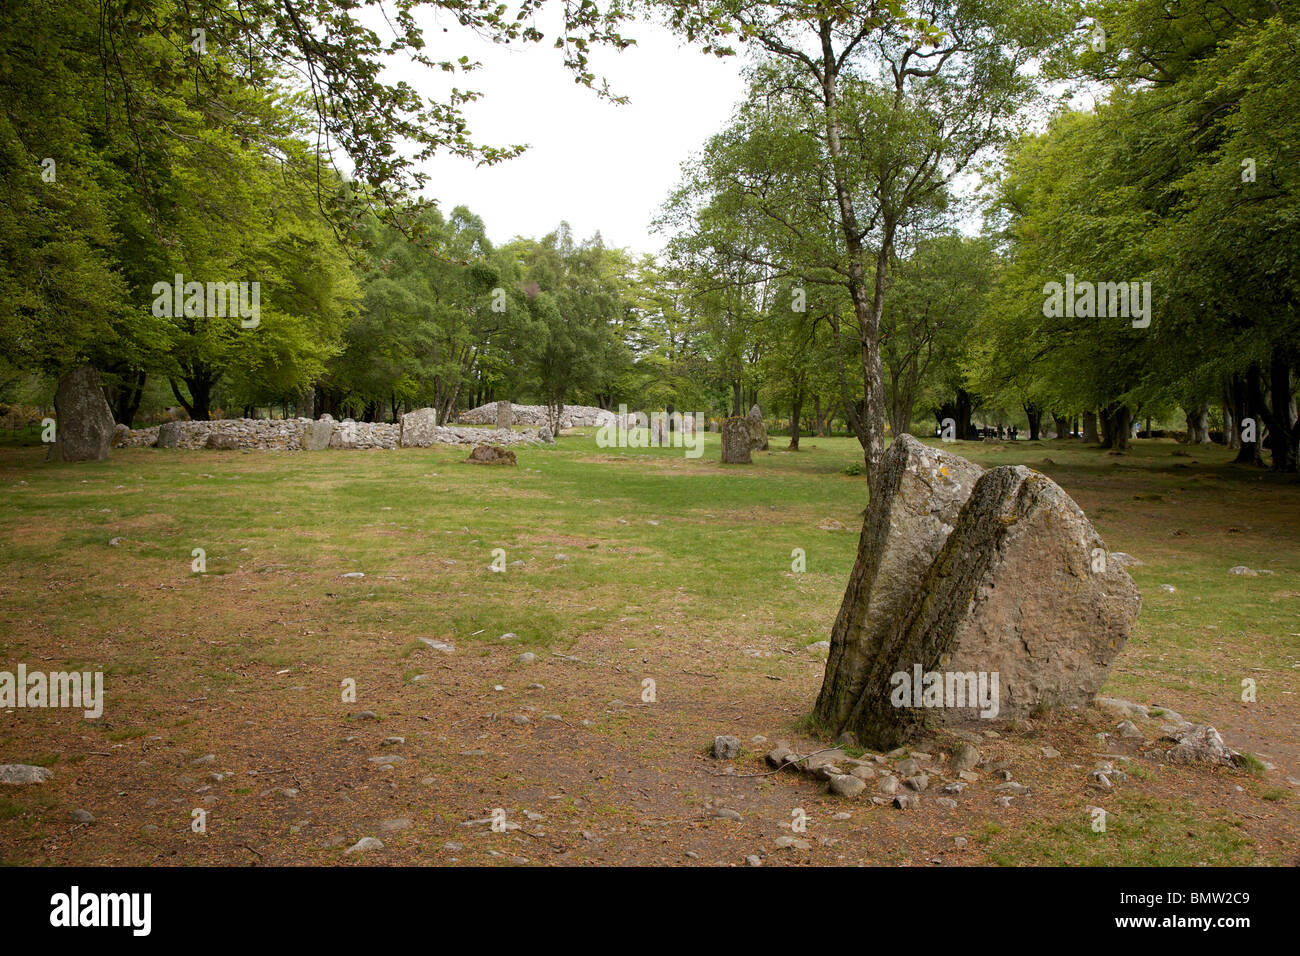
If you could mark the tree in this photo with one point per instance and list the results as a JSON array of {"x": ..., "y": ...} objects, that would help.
[
  {"x": 1162, "y": 183},
  {"x": 933, "y": 304},
  {"x": 575, "y": 294},
  {"x": 904, "y": 97}
]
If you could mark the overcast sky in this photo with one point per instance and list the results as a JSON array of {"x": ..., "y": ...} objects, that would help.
[
  {"x": 594, "y": 164},
  {"x": 598, "y": 166}
]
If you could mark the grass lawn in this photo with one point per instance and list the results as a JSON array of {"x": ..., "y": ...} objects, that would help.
[{"x": 636, "y": 565}]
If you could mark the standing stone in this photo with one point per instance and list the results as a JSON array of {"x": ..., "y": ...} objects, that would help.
[
  {"x": 316, "y": 436},
  {"x": 169, "y": 435},
  {"x": 418, "y": 428},
  {"x": 544, "y": 435},
  {"x": 658, "y": 431},
  {"x": 344, "y": 435},
  {"x": 84, "y": 426},
  {"x": 1015, "y": 592},
  {"x": 735, "y": 442},
  {"x": 922, "y": 491},
  {"x": 757, "y": 430},
  {"x": 505, "y": 415},
  {"x": 121, "y": 433}
]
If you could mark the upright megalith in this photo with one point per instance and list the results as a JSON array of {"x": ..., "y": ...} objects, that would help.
[
  {"x": 169, "y": 435},
  {"x": 316, "y": 435},
  {"x": 735, "y": 442},
  {"x": 757, "y": 429},
  {"x": 1020, "y": 609},
  {"x": 419, "y": 428},
  {"x": 922, "y": 491},
  {"x": 83, "y": 422},
  {"x": 505, "y": 415}
]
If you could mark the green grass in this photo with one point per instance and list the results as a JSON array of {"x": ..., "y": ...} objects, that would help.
[
  {"x": 724, "y": 541},
  {"x": 1140, "y": 831}
]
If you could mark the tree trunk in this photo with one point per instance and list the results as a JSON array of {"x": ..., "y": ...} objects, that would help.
[
  {"x": 1061, "y": 425},
  {"x": 1035, "y": 415},
  {"x": 1198, "y": 424},
  {"x": 900, "y": 419},
  {"x": 1249, "y": 404},
  {"x": 1282, "y": 425},
  {"x": 1090, "y": 436},
  {"x": 965, "y": 406},
  {"x": 795, "y": 408},
  {"x": 126, "y": 397},
  {"x": 554, "y": 415},
  {"x": 866, "y": 311},
  {"x": 199, "y": 405},
  {"x": 1117, "y": 422}
]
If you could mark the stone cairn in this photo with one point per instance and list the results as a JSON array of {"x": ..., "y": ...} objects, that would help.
[
  {"x": 534, "y": 416},
  {"x": 417, "y": 429}
]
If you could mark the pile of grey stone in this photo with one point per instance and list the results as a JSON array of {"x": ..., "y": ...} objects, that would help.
[
  {"x": 534, "y": 416},
  {"x": 417, "y": 429}
]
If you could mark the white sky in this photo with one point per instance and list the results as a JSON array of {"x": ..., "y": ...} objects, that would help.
[{"x": 596, "y": 165}]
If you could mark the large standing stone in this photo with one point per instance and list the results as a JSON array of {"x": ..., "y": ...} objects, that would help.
[
  {"x": 316, "y": 435},
  {"x": 659, "y": 431},
  {"x": 84, "y": 426},
  {"x": 344, "y": 434},
  {"x": 169, "y": 435},
  {"x": 757, "y": 430},
  {"x": 418, "y": 428},
  {"x": 922, "y": 491},
  {"x": 1018, "y": 590},
  {"x": 735, "y": 442},
  {"x": 505, "y": 415}
]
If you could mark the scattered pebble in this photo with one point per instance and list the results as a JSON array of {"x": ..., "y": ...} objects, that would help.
[{"x": 364, "y": 845}]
